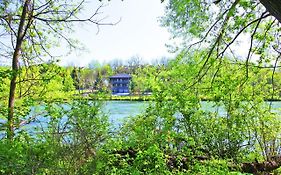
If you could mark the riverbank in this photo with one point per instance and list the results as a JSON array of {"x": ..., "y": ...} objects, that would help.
[
  {"x": 118, "y": 98},
  {"x": 86, "y": 94},
  {"x": 140, "y": 98}
]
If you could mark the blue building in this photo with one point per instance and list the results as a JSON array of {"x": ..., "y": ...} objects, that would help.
[{"x": 120, "y": 83}]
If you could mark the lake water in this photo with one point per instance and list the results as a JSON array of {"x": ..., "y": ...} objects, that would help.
[{"x": 118, "y": 111}]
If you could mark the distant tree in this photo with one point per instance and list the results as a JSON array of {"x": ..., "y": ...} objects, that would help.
[
  {"x": 135, "y": 61},
  {"x": 94, "y": 64},
  {"x": 115, "y": 63},
  {"x": 98, "y": 84},
  {"x": 163, "y": 61},
  {"x": 106, "y": 70},
  {"x": 143, "y": 79},
  {"x": 76, "y": 77},
  {"x": 91, "y": 79}
]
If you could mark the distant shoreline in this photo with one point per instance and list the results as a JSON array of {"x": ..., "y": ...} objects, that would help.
[{"x": 143, "y": 98}]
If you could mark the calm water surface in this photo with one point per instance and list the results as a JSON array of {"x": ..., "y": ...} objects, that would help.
[{"x": 118, "y": 111}]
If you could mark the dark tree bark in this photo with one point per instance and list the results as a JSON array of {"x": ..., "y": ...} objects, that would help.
[
  {"x": 273, "y": 7},
  {"x": 266, "y": 166},
  {"x": 15, "y": 69}
]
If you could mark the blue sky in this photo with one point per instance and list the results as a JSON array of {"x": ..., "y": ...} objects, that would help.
[{"x": 138, "y": 33}]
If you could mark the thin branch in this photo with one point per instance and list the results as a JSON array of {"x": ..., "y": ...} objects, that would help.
[
  {"x": 208, "y": 31},
  {"x": 251, "y": 44},
  {"x": 45, "y": 6},
  {"x": 74, "y": 20},
  {"x": 60, "y": 34},
  {"x": 272, "y": 78},
  {"x": 221, "y": 33},
  {"x": 265, "y": 34},
  {"x": 40, "y": 42},
  {"x": 240, "y": 32},
  {"x": 29, "y": 120},
  {"x": 10, "y": 26}
]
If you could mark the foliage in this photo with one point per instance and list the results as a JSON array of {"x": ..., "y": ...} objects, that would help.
[
  {"x": 37, "y": 85},
  {"x": 238, "y": 86},
  {"x": 209, "y": 113},
  {"x": 143, "y": 78},
  {"x": 67, "y": 145},
  {"x": 28, "y": 30},
  {"x": 222, "y": 28},
  {"x": 94, "y": 79},
  {"x": 175, "y": 133},
  {"x": 140, "y": 147}
]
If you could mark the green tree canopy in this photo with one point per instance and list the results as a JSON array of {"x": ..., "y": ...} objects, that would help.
[
  {"x": 30, "y": 28},
  {"x": 220, "y": 26}
]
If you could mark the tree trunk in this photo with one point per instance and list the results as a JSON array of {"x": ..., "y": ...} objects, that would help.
[
  {"x": 15, "y": 69},
  {"x": 273, "y": 7},
  {"x": 266, "y": 166}
]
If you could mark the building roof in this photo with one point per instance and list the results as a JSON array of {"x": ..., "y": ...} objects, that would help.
[{"x": 121, "y": 76}]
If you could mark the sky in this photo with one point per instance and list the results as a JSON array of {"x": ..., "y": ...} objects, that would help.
[{"x": 137, "y": 33}]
